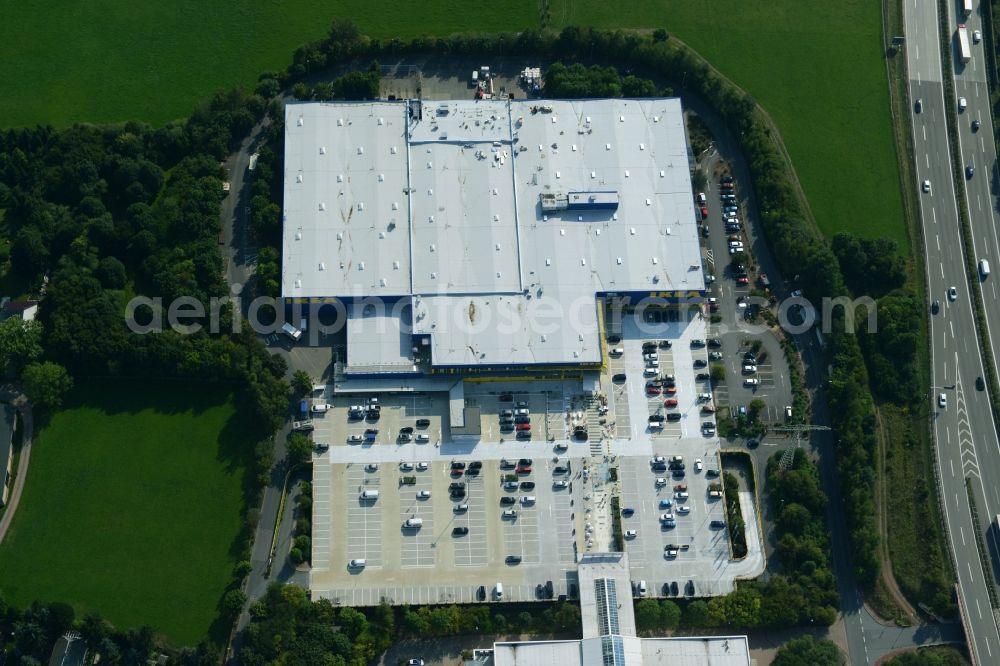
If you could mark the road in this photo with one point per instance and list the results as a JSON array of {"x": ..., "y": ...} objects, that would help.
[
  {"x": 13, "y": 395},
  {"x": 865, "y": 638},
  {"x": 964, "y": 430}
]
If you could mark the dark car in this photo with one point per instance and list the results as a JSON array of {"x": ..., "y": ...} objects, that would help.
[
  {"x": 674, "y": 416},
  {"x": 459, "y": 531},
  {"x": 614, "y": 339},
  {"x": 507, "y": 501},
  {"x": 513, "y": 559},
  {"x": 522, "y": 419},
  {"x": 980, "y": 384},
  {"x": 626, "y": 512},
  {"x": 524, "y": 434},
  {"x": 718, "y": 524},
  {"x": 476, "y": 464},
  {"x": 703, "y": 376},
  {"x": 619, "y": 378},
  {"x": 659, "y": 467},
  {"x": 700, "y": 363},
  {"x": 549, "y": 591},
  {"x": 752, "y": 443},
  {"x": 936, "y": 306},
  {"x": 481, "y": 593},
  {"x": 559, "y": 469},
  {"x": 714, "y": 342},
  {"x": 457, "y": 485},
  {"x": 423, "y": 423},
  {"x": 506, "y": 426},
  {"x": 969, "y": 171},
  {"x": 527, "y": 485},
  {"x": 581, "y": 434},
  {"x": 678, "y": 474},
  {"x": 918, "y": 106},
  {"x": 457, "y": 466},
  {"x": 975, "y": 125},
  {"x": 506, "y": 397},
  {"x": 656, "y": 418},
  {"x": 750, "y": 357},
  {"x": 711, "y": 473},
  {"x": 689, "y": 589},
  {"x": 673, "y": 588},
  {"x": 524, "y": 462},
  {"x": 373, "y": 415},
  {"x": 458, "y": 493},
  {"x": 665, "y": 344}
]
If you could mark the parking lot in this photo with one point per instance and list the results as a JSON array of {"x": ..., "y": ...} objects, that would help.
[{"x": 451, "y": 565}]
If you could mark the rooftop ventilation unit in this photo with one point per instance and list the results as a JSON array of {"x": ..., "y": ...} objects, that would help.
[
  {"x": 322, "y": 150},
  {"x": 361, "y": 205},
  {"x": 298, "y": 178},
  {"x": 361, "y": 150},
  {"x": 381, "y": 177},
  {"x": 322, "y": 266},
  {"x": 322, "y": 206}
]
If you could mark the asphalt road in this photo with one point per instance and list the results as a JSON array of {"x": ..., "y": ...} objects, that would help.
[{"x": 967, "y": 446}]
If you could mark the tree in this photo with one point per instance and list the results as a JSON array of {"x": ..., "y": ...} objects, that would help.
[
  {"x": 754, "y": 409},
  {"x": 46, "y": 383},
  {"x": 301, "y": 384},
  {"x": 670, "y": 614},
  {"x": 647, "y": 614},
  {"x": 20, "y": 344},
  {"x": 233, "y": 602},
  {"x": 299, "y": 448},
  {"x": 807, "y": 651},
  {"x": 696, "y": 614},
  {"x": 718, "y": 373}
]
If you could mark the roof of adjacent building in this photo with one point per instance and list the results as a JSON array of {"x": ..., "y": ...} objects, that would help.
[{"x": 490, "y": 207}]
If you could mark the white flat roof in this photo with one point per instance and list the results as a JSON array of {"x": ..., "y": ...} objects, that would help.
[
  {"x": 686, "y": 651},
  {"x": 378, "y": 339},
  {"x": 443, "y": 201}
]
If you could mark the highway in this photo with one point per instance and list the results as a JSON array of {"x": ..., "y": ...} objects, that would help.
[{"x": 964, "y": 430}]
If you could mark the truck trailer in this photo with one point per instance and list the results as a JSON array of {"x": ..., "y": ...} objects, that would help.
[
  {"x": 964, "y": 51},
  {"x": 967, "y": 8}
]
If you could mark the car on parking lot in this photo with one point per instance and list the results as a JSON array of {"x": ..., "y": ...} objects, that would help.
[
  {"x": 697, "y": 342},
  {"x": 715, "y": 356},
  {"x": 704, "y": 212},
  {"x": 627, "y": 512},
  {"x": 631, "y": 534},
  {"x": 461, "y": 508},
  {"x": 524, "y": 462},
  {"x": 559, "y": 485},
  {"x": 508, "y": 500},
  {"x": 700, "y": 363},
  {"x": 406, "y": 430},
  {"x": 523, "y": 469},
  {"x": 405, "y": 467},
  {"x": 717, "y": 524},
  {"x": 666, "y": 516},
  {"x": 527, "y": 485},
  {"x": 666, "y": 503},
  {"x": 404, "y": 437},
  {"x": 680, "y": 487},
  {"x": 579, "y": 432},
  {"x": 668, "y": 524},
  {"x": 618, "y": 378},
  {"x": 513, "y": 559},
  {"x": 421, "y": 466},
  {"x": 658, "y": 466},
  {"x": 524, "y": 434},
  {"x": 711, "y": 473},
  {"x": 649, "y": 372},
  {"x": 481, "y": 593},
  {"x": 523, "y": 426},
  {"x": 355, "y": 439},
  {"x": 509, "y": 514},
  {"x": 684, "y": 508},
  {"x": 423, "y": 423},
  {"x": 423, "y": 439},
  {"x": 653, "y": 389},
  {"x": 371, "y": 467},
  {"x": 456, "y": 485},
  {"x": 457, "y": 466},
  {"x": 660, "y": 482},
  {"x": 670, "y": 550},
  {"x": 749, "y": 357},
  {"x": 527, "y": 500},
  {"x": 751, "y": 383},
  {"x": 506, "y": 426},
  {"x": 424, "y": 494},
  {"x": 670, "y": 402},
  {"x": 657, "y": 459},
  {"x": 674, "y": 416},
  {"x": 459, "y": 531},
  {"x": 749, "y": 369},
  {"x": 560, "y": 469},
  {"x": 616, "y": 352},
  {"x": 664, "y": 344},
  {"x": 698, "y": 465}
]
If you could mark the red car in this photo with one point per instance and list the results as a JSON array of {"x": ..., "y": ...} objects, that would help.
[
  {"x": 652, "y": 390},
  {"x": 670, "y": 402},
  {"x": 523, "y": 470},
  {"x": 523, "y": 426},
  {"x": 704, "y": 212},
  {"x": 670, "y": 390},
  {"x": 743, "y": 280}
]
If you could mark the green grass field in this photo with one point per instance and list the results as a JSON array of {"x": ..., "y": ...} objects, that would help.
[
  {"x": 817, "y": 68},
  {"x": 133, "y": 511}
]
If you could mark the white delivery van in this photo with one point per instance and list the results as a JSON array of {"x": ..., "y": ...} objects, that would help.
[
  {"x": 320, "y": 406},
  {"x": 291, "y": 331},
  {"x": 499, "y": 591},
  {"x": 413, "y": 522},
  {"x": 369, "y": 494},
  {"x": 984, "y": 268}
]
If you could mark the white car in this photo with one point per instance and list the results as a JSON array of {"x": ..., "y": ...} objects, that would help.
[
  {"x": 926, "y": 186},
  {"x": 752, "y": 382},
  {"x": 355, "y": 439},
  {"x": 631, "y": 534},
  {"x": 650, "y": 372},
  {"x": 461, "y": 508},
  {"x": 666, "y": 516},
  {"x": 669, "y": 551},
  {"x": 421, "y": 467},
  {"x": 560, "y": 484},
  {"x": 684, "y": 508},
  {"x": 952, "y": 293},
  {"x": 616, "y": 352},
  {"x": 698, "y": 465},
  {"x": 405, "y": 467},
  {"x": 962, "y": 103},
  {"x": 660, "y": 482},
  {"x": 657, "y": 459},
  {"x": 422, "y": 438},
  {"x": 681, "y": 495},
  {"x": 977, "y": 36},
  {"x": 371, "y": 467},
  {"x": 509, "y": 513},
  {"x": 424, "y": 494},
  {"x": 749, "y": 369},
  {"x": 942, "y": 401},
  {"x": 528, "y": 500}
]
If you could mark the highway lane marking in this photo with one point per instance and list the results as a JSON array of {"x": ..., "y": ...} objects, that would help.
[
  {"x": 924, "y": 129},
  {"x": 937, "y": 239},
  {"x": 927, "y": 158},
  {"x": 941, "y": 266},
  {"x": 961, "y": 531},
  {"x": 934, "y": 215},
  {"x": 979, "y": 201},
  {"x": 952, "y": 464},
  {"x": 978, "y": 609},
  {"x": 982, "y": 145}
]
